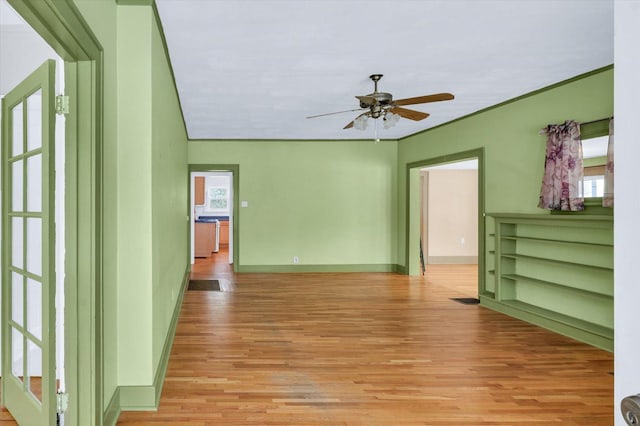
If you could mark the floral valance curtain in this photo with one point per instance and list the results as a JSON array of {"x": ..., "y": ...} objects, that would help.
[
  {"x": 607, "y": 198},
  {"x": 563, "y": 171}
]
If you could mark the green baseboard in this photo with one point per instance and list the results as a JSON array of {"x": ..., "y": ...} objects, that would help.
[
  {"x": 400, "y": 269},
  {"x": 581, "y": 334},
  {"x": 452, "y": 260},
  {"x": 112, "y": 412},
  {"x": 147, "y": 398},
  {"x": 382, "y": 267},
  {"x": 139, "y": 398}
]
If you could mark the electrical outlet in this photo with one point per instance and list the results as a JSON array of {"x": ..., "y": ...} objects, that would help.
[
  {"x": 462, "y": 240},
  {"x": 296, "y": 260}
]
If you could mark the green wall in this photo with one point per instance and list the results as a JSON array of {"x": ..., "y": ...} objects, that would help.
[
  {"x": 134, "y": 196},
  {"x": 169, "y": 173},
  {"x": 145, "y": 200},
  {"x": 514, "y": 151},
  {"x": 329, "y": 203}
]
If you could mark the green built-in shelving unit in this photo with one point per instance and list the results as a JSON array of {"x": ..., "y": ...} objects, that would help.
[{"x": 555, "y": 271}]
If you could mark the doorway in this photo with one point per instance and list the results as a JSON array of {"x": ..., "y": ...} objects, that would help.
[
  {"x": 212, "y": 217},
  {"x": 62, "y": 26},
  {"x": 213, "y": 224},
  {"x": 414, "y": 206},
  {"x": 449, "y": 224},
  {"x": 33, "y": 150}
]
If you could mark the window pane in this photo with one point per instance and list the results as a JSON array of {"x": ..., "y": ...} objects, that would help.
[
  {"x": 17, "y": 130},
  {"x": 218, "y": 198},
  {"x": 17, "y": 297},
  {"x": 17, "y": 242},
  {"x": 600, "y": 187},
  {"x": 34, "y": 121},
  {"x": 16, "y": 191},
  {"x": 593, "y": 186},
  {"x": 34, "y": 183},
  {"x": 34, "y": 308},
  {"x": 218, "y": 204},
  {"x": 34, "y": 245}
]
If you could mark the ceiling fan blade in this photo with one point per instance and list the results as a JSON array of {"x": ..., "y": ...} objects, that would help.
[
  {"x": 332, "y": 113},
  {"x": 367, "y": 100},
  {"x": 424, "y": 99},
  {"x": 409, "y": 113}
]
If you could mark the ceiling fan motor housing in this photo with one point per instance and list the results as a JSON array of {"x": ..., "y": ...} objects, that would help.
[{"x": 381, "y": 98}]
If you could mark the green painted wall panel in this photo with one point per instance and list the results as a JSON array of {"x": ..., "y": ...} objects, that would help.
[
  {"x": 134, "y": 196},
  {"x": 169, "y": 196},
  {"x": 514, "y": 151},
  {"x": 327, "y": 202},
  {"x": 145, "y": 171}
]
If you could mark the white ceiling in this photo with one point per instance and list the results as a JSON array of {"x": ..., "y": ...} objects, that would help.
[
  {"x": 8, "y": 16},
  {"x": 22, "y": 50},
  {"x": 254, "y": 69}
]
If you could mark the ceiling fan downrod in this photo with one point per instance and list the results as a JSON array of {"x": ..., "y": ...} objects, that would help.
[{"x": 375, "y": 78}]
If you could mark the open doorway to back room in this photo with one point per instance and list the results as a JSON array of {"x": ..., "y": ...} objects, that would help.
[
  {"x": 449, "y": 224},
  {"x": 212, "y": 223},
  {"x": 458, "y": 262}
]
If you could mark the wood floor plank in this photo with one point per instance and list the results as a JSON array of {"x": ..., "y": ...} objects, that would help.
[{"x": 370, "y": 349}]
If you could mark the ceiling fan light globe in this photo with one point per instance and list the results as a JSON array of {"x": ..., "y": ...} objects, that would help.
[{"x": 360, "y": 123}]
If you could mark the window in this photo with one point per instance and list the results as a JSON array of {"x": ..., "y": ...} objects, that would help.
[
  {"x": 593, "y": 186},
  {"x": 595, "y": 156},
  {"x": 218, "y": 199}
]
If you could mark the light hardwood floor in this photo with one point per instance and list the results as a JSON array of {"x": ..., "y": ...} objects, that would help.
[{"x": 370, "y": 349}]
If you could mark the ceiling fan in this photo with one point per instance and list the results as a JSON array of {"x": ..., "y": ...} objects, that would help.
[{"x": 381, "y": 104}]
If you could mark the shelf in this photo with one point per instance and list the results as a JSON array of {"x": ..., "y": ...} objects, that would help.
[
  {"x": 515, "y": 277},
  {"x": 516, "y": 218},
  {"x": 555, "y": 271},
  {"x": 553, "y": 261},
  {"x": 590, "y": 327},
  {"x": 556, "y": 242}
]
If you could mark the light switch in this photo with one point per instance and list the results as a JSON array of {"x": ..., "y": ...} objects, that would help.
[{"x": 244, "y": 204}]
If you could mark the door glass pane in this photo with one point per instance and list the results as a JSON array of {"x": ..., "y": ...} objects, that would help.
[
  {"x": 34, "y": 183},
  {"x": 16, "y": 197},
  {"x": 17, "y": 297},
  {"x": 34, "y": 361},
  {"x": 34, "y": 245},
  {"x": 34, "y": 121},
  {"x": 17, "y": 230},
  {"x": 17, "y": 130},
  {"x": 16, "y": 353},
  {"x": 34, "y": 308}
]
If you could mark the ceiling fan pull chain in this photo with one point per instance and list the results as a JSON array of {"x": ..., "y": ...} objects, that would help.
[{"x": 375, "y": 131}]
